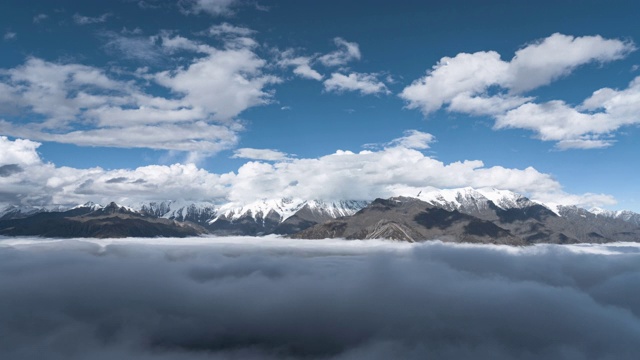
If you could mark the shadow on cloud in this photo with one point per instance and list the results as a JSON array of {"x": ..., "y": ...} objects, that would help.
[{"x": 326, "y": 300}]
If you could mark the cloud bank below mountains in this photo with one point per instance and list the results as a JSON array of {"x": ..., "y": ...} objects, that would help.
[
  {"x": 397, "y": 169},
  {"x": 275, "y": 299}
]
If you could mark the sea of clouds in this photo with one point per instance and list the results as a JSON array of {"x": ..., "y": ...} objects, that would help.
[{"x": 273, "y": 298}]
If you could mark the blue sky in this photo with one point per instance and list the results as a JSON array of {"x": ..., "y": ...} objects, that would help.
[{"x": 256, "y": 97}]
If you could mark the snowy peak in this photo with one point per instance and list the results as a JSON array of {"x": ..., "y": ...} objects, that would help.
[
  {"x": 88, "y": 205},
  {"x": 15, "y": 212},
  {"x": 22, "y": 211},
  {"x": 282, "y": 209},
  {"x": 506, "y": 199},
  {"x": 260, "y": 210},
  {"x": 336, "y": 209},
  {"x": 113, "y": 209},
  {"x": 625, "y": 215},
  {"x": 198, "y": 212},
  {"x": 470, "y": 199}
]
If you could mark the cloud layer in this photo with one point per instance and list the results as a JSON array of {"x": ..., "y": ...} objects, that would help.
[
  {"x": 483, "y": 84},
  {"x": 397, "y": 169},
  {"x": 270, "y": 299}
]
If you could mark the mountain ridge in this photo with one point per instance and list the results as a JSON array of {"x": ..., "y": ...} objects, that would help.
[{"x": 502, "y": 213}]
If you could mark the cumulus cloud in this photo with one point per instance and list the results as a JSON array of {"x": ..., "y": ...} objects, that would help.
[
  {"x": 365, "y": 84},
  {"x": 389, "y": 172},
  {"x": 558, "y": 55},
  {"x": 260, "y": 154},
  {"x": 10, "y": 169},
  {"x": 40, "y": 183},
  {"x": 414, "y": 139},
  {"x": 346, "y": 52},
  {"x": 86, "y": 20},
  {"x": 332, "y": 300},
  {"x": 85, "y": 105},
  {"x": 589, "y": 125},
  {"x": 301, "y": 64},
  {"x": 18, "y": 151},
  {"x": 483, "y": 84},
  {"x": 395, "y": 170},
  {"x": 234, "y": 76}
]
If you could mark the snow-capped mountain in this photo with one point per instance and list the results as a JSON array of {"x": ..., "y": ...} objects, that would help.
[
  {"x": 22, "y": 211},
  {"x": 625, "y": 215},
  {"x": 89, "y": 205},
  {"x": 510, "y": 211},
  {"x": 197, "y": 212},
  {"x": 281, "y": 216},
  {"x": 286, "y": 208},
  {"x": 470, "y": 200}
]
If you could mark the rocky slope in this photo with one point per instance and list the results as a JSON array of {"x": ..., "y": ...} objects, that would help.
[
  {"x": 466, "y": 215},
  {"x": 410, "y": 219},
  {"x": 112, "y": 221}
]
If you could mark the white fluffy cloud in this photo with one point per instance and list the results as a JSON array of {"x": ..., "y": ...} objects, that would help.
[
  {"x": 414, "y": 139},
  {"x": 365, "y": 84},
  {"x": 534, "y": 65},
  {"x": 43, "y": 183},
  {"x": 224, "y": 83},
  {"x": 558, "y": 55},
  {"x": 260, "y": 154},
  {"x": 84, "y": 105},
  {"x": 19, "y": 151},
  {"x": 394, "y": 170},
  {"x": 587, "y": 126},
  {"x": 346, "y": 52},
  {"x": 301, "y": 64},
  {"x": 468, "y": 83}
]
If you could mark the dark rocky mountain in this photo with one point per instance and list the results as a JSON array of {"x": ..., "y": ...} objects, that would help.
[
  {"x": 112, "y": 221},
  {"x": 411, "y": 219}
]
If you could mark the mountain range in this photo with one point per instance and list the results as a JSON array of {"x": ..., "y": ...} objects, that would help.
[{"x": 457, "y": 215}]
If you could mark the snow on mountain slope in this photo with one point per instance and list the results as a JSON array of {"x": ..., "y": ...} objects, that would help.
[
  {"x": 470, "y": 199},
  {"x": 90, "y": 205},
  {"x": 628, "y": 216},
  {"x": 285, "y": 208},
  {"x": 13, "y": 211},
  {"x": 179, "y": 210},
  {"x": 336, "y": 209},
  {"x": 259, "y": 210},
  {"x": 21, "y": 211}
]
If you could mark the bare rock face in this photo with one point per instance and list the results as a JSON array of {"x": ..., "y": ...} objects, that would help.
[
  {"x": 410, "y": 219},
  {"x": 526, "y": 222}
]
